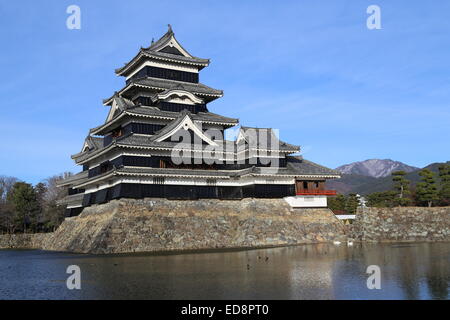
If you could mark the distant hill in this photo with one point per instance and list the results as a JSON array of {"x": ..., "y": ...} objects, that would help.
[
  {"x": 376, "y": 168},
  {"x": 350, "y": 182},
  {"x": 354, "y": 183}
]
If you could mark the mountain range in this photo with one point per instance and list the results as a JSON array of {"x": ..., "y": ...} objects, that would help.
[
  {"x": 373, "y": 175},
  {"x": 376, "y": 168}
]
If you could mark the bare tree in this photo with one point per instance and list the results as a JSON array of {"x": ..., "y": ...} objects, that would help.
[
  {"x": 6, "y": 184},
  {"x": 54, "y": 192},
  {"x": 53, "y": 213},
  {"x": 7, "y": 214}
]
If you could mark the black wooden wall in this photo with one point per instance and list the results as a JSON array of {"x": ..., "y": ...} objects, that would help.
[
  {"x": 139, "y": 191},
  {"x": 162, "y": 73}
]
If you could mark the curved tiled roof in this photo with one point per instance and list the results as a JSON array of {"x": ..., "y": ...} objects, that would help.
[
  {"x": 97, "y": 142},
  {"x": 147, "y": 141},
  {"x": 270, "y": 139},
  {"x": 192, "y": 60},
  {"x": 74, "y": 200},
  {"x": 164, "y": 84},
  {"x": 164, "y": 172},
  {"x": 300, "y": 166},
  {"x": 76, "y": 178},
  {"x": 155, "y": 112},
  {"x": 200, "y": 116},
  {"x": 132, "y": 141},
  {"x": 145, "y": 54},
  {"x": 94, "y": 144},
  {"x": 153, "y": 51},
  {"x": 296, "y": 167},
  {"x": 185, "y": 172}
]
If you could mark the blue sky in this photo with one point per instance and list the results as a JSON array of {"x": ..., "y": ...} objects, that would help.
[{"x": 311, "y": 69}]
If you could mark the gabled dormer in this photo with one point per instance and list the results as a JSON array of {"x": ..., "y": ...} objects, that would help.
[
  {"x": 169, "y": 44},
  {"x": 178, "y": 94},
  {"x": 171, "y": 132},
  {"x": 166, "y": 59},
  {"x": 265, "y": 139},
  {"x": 118, "y": 105},
  {"x": 92, "y": 144},
  {"x": 177, "y": 99}
]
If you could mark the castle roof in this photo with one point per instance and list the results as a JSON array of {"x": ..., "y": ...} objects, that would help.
[
  {"x": 266, "y": 138},
  {"x": 72, "y": 201},
  {"x": 94, "y": 142},
  {"x": 300, "y": 166},
  {"x": 297, "y": 167},
  {"x": 166, "y": 172},
  {"x": 76, "y": 178},
  {"x": 156, "y": 113},
  {"x": 168, "y": 49},
  {"x": 157, "y": 84},
  {"x": 138, "y": 141}
]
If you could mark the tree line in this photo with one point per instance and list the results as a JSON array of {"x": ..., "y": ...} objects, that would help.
[
  {"x": 344, "y": 204},
  {"x": 432, "y": 190},
  {"x": 29, "y": 209}
]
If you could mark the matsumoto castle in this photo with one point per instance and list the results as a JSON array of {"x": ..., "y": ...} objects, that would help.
[{"x": 160, "y": 140}]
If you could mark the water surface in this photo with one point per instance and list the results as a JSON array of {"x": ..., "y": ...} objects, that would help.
[{"x": 321, "y": 271}]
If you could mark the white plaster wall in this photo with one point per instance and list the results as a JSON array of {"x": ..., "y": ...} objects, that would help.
[{"x": 307, "y": 201}]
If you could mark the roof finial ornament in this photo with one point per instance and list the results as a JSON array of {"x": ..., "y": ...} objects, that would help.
[
  {"x": 153, "y": 40},
  {"x": 170, "y": 28}
]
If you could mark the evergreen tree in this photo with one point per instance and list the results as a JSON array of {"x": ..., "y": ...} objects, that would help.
[
  {"x": 385, "y": 199},
  {"x": 337, "y": 204},
  {"x": 352, "y": 203},
  {"x": 22, "y": 206},
  {"x": 41, "y": 190},
  {"x": 444, "y": 191},
  {"x": 401, "y": 187},
  {"x": 426, "y": 191},
  {"x": 25, "y": 203}
]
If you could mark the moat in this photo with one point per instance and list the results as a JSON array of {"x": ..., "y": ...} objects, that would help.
[{"x": 319, "y": 271}]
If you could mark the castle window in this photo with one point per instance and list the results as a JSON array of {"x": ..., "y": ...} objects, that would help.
[
  {"x": 117, "y": 133},
  {"x": 105, "y": 167},
  {"x": 159, "y": 180}
]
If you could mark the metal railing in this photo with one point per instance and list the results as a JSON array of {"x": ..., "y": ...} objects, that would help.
[{"x": 316, "y": 192}]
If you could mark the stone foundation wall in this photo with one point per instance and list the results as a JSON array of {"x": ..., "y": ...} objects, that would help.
[
  {"x": 163, "y": 225},
  {"x": 402, "y": 224},
  {"x": 25, "y": 241},
  {"x": 122, "y": 226}
]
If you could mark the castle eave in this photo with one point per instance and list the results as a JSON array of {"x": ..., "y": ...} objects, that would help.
[
  {"x": 160, "y": 56},
  {"x": 164, "y": 84}
]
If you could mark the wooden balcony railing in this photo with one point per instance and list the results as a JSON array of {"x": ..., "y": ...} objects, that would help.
[{"x": 316, "y": 192}]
